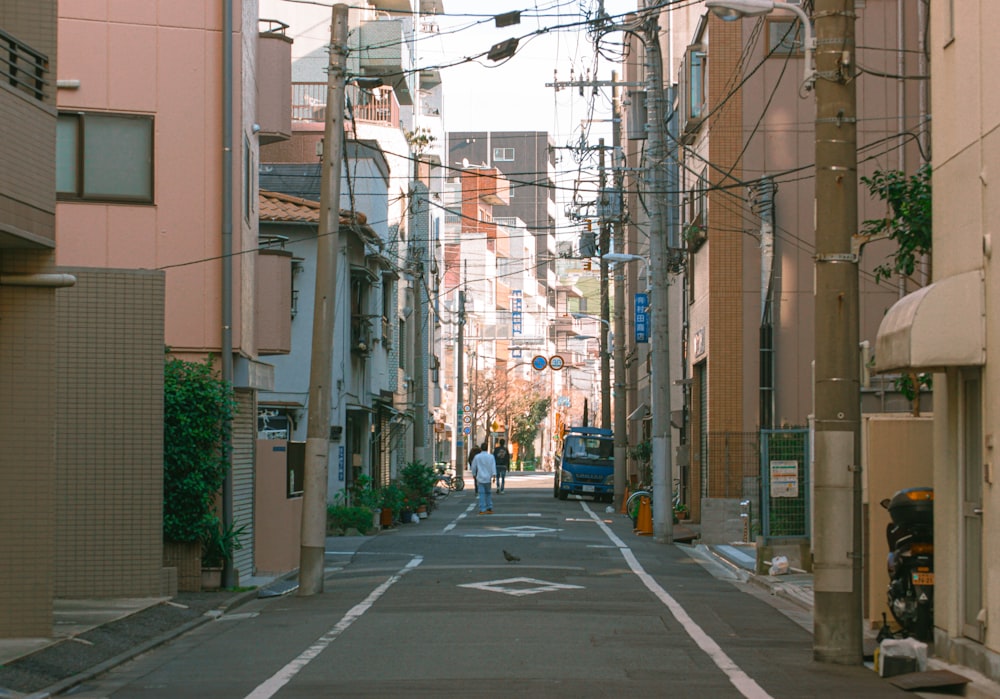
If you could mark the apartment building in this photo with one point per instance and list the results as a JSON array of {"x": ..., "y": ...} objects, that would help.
[{"x": 946, "y": 329}]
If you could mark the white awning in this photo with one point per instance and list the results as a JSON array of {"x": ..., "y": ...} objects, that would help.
[{"x": 942, "y": 325}]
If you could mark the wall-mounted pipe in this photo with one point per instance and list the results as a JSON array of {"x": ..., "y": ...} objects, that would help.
[{"x": 50, "y": 281}]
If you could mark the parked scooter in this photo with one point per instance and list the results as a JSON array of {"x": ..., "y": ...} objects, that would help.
[{"x": 911, "y": 561}]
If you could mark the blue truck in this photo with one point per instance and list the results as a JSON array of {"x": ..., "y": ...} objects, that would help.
[{"x": 586, "y": 465}]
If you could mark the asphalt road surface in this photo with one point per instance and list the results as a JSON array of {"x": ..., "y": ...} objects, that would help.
[{"x": 436, "y": 609}]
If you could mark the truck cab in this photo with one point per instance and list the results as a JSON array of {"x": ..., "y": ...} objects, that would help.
[{"x": 586, "y": 465}]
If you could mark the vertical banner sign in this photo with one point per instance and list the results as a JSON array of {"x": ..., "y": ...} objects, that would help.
[
  {"x": 516, "y": 327},
  {"x": 642, "y": 317},
  {"x": 340, "y": 463}
]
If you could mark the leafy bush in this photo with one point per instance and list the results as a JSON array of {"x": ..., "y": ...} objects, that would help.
[
  {"x": 393, "y": 496},
  {"x": 340, "y": 518},
  {"x": 418, "y": 481},
  {"x": 365, "y": 494},
  {"x": 197, "y": 414}
]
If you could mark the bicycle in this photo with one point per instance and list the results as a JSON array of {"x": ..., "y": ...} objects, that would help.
[
  {"x": 632, "y": 504},
  {"x": 445, "y": 482}
]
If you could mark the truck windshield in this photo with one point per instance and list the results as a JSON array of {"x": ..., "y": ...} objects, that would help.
[{"x": 588, "y": 449}]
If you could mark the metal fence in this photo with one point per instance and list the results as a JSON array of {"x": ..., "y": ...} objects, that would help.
[
  {"x": 784, "y": 471},
  {"x": 768, "y": 471}
]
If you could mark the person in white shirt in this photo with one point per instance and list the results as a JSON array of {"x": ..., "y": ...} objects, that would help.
[{"x": 484, "y": 470}]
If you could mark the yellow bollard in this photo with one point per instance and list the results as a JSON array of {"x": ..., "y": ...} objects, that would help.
[{"x": 644, "y": 522}]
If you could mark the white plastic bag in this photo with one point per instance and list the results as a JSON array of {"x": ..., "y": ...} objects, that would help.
[
  {"x": 897, "y": 655},
  {"x": 779, "y": 566}
]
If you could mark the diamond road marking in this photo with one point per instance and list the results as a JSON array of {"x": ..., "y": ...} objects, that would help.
[
  {"x": 505, "y": 586},
  {"x": 521, "y": 532}
]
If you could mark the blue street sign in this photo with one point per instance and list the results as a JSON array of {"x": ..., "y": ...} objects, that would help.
[
  {"x": 539, "y": 362},
  {"x": 642, "y": 317}
]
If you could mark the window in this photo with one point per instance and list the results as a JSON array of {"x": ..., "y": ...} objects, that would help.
[
  {"x": 104, "y": 157},
  {"x": 503, "y": 154},
  {"x": 693, "y": 90},
  {"x": 784, "y": 37}
]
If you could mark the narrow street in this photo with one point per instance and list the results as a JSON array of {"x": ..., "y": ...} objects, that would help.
[{"x": 435, "y": 609}]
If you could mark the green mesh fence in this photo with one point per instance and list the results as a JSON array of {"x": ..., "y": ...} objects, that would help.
[{"x": 785, "y": 483}]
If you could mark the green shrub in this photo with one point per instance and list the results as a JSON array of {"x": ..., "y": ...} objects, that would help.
[
  {"x": 198, "y": 409},
  {"x": 418, "y": 480},
  {"x": 340, "y": 518}
]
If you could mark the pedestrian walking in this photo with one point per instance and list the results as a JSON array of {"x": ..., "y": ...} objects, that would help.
[
  {"x": 502, "y": 457},
  {"x": 484, "y": 470}
]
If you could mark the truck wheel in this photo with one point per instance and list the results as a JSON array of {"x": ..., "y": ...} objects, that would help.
[{"x": 562, "y": 495}]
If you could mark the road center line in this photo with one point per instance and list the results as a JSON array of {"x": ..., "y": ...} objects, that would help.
[
  {"x": 451, "y": 525},
  {"x": 739, "y": 679},
  {"x": 270, "y": 687}
]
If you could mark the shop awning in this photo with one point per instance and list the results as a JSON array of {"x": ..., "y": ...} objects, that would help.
[{"x": 942, "y": 325}]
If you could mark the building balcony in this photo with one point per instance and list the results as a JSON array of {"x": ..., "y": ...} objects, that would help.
[
  {"x": 274, "y": 73},
  {"x": 377, "y": 106}
]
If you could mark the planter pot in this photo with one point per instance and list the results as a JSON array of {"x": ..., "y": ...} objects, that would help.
[
  {"x": 385, "y": 517},
  {"x": 211, "y": 578},
  {"x": 422, "y": 512}
]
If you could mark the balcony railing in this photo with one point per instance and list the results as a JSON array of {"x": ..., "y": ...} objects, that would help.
[
  {"x": 376, "y": 106},
  {"x": 22, "y": 66}
]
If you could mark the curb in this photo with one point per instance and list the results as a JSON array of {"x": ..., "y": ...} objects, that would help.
[{"x": 167, "y": 636}]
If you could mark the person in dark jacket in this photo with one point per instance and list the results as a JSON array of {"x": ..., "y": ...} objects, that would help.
[{"x": 502, "y": 457}]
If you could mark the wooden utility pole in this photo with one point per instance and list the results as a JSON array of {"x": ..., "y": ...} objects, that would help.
[{"x": 317, "y": 452}]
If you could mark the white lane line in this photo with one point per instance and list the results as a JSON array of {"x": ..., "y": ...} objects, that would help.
[
  {"x": 739, "y": 679},
  {"x": 454, "y": 523},
  {"x": 270, "y": 687}
]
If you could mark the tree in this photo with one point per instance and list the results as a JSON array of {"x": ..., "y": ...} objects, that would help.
[{"x": 908, "y": 222}]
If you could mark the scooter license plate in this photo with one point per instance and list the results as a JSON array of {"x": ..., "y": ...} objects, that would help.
[
  {"x": 923, "y": 578},
  {"x": 588, "y": 489}
]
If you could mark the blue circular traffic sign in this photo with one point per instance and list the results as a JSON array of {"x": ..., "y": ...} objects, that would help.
[{"x": 539, "y": 362}]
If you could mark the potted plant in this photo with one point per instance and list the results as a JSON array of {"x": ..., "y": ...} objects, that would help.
[
  {"x": 217, "y": 548},
  {"x": 391, "y": 502},
  {"x": 418, "y": 480}
]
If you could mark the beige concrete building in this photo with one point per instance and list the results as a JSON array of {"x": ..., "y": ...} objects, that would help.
[{"x": 950, "y": 327}]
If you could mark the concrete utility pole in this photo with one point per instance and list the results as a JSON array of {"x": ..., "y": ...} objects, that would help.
[
  {"x": 837, "y": 536},
  {"x": 420, "y": 316},
  {"x": 663, "y": 522},
  {"x": 603, "y": 245},
  {"x": 460, "y": 450},
  {"x": 321, "y": 367},
  {"x": 620, "y": 408}
]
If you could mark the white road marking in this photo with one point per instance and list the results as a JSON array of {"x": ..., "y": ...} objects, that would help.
[
  {"x": 505, "y": 586},
  {"x": 270, "y": 687},
  {"x": 454, "y": 523},
  {"x": 739, "y": 679}
]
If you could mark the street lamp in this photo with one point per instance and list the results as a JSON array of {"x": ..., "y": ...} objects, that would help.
[
  {"x": 837, "y": 632},
  {"x": 729, "y": 10}
]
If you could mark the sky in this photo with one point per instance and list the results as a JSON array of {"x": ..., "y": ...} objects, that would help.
[{"x": 511, "y": 94}]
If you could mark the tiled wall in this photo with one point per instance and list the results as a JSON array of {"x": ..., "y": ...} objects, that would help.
[
  {"x": 27, "y": 460},
  {"x": 109, "y": 490}
]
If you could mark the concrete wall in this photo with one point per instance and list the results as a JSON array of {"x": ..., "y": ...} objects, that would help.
[{"x": 898, "y": 452}]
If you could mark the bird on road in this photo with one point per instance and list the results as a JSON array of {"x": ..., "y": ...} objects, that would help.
[{"x": 511, "y": 558}]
